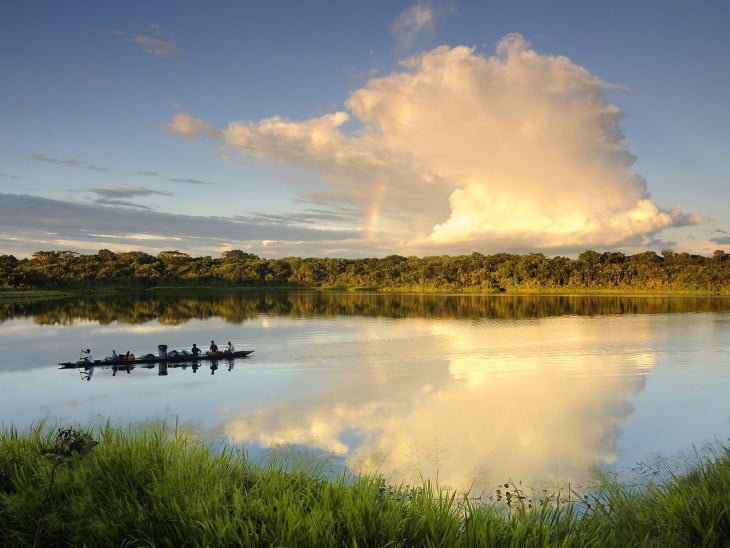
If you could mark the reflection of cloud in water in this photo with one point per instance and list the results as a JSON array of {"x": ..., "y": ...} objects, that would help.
[
  {"x": 67, "y": 405},
  {"x": 547, "y": 400},
  {"x": 133, "y": 329},
  {"x": 23, "y": 327}
]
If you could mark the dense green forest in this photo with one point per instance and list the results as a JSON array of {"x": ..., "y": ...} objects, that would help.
[{"x": 668, "y": 272}]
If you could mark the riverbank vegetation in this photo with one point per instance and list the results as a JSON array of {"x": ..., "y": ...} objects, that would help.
[
  {"x": 174, "y": 307},
  {"x": 154, "y": 485},
  {"x": 668, "y": 272}
]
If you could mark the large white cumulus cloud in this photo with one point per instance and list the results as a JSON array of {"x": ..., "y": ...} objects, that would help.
[{"x": 514, "y": 149}]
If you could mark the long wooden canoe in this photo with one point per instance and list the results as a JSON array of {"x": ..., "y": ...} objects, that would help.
[{"x": 151, "y": 358}]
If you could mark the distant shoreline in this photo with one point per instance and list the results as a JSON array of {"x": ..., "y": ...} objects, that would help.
[
  {"x": 32, "y": 295},
  {"x": 591, "y": 273}
]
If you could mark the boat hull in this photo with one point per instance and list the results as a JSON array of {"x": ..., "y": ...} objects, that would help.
[{"x": 151, "y": 359}]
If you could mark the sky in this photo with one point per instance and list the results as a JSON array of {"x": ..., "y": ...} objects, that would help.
[{"x": 365, "y": 129}]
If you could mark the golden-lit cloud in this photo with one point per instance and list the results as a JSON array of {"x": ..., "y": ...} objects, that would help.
[
  {"x": 185, "y": 126},
  {"x": 518, "y": 149}
]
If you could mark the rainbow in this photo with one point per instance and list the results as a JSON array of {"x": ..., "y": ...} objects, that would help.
[{"x": 373, "y": 215}]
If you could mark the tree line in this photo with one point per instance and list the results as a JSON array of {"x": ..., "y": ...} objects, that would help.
[
  {"x": 176, "y": 307},
  {"x": 501, "y": 272}
]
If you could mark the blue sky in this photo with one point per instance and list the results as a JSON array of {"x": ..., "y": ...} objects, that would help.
[{"x": 365, "y": 129}]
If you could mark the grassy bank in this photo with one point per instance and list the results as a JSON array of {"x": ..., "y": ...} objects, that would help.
[{"x": 151, "y": 486}]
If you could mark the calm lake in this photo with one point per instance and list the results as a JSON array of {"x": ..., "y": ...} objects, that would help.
[{"x": 470, "y": 391}]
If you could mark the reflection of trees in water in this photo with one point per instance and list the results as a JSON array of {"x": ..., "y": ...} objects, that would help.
[{"x": 177, "y": 307}]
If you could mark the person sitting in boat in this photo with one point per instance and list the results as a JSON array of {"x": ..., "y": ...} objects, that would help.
[
  {"x": 229, "y": 348},
  {"x": 114, "y": 357},
  {"x": 213, "y": 347},
  {"x": 89, "y": 356},
  {"x": 195, "y": 350}
]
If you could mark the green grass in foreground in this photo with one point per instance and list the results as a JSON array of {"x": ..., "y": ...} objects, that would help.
[{"x": 151, "y": 486}]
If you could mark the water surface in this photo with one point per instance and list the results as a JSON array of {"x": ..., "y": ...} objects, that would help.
[{"x": 470, "y": 391}]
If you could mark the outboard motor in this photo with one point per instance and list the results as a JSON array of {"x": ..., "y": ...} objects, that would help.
[{"x": 162, "y": 348}]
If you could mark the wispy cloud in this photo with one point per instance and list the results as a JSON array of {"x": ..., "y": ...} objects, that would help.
[
  {"x": 41, "y": 223},
  {"x": 155, "y": 29},
  {"x": 312, "y": 217},
  {"x": 190, "y": 181},
  {"x": 58, "y": 161},
  {"x": 121, "y": 203},
  {"x": 68, "y": 162},
  {"x": 149, "y": 44},
  {"x": 157, "y": 47},
  {"x": 418, "y": 19},
  {"x": 459, "y": 151},
  {"x": 24, "y": 99},
  {"x": 11, "y": 176},
  {"x": 126, "y": 192}
]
